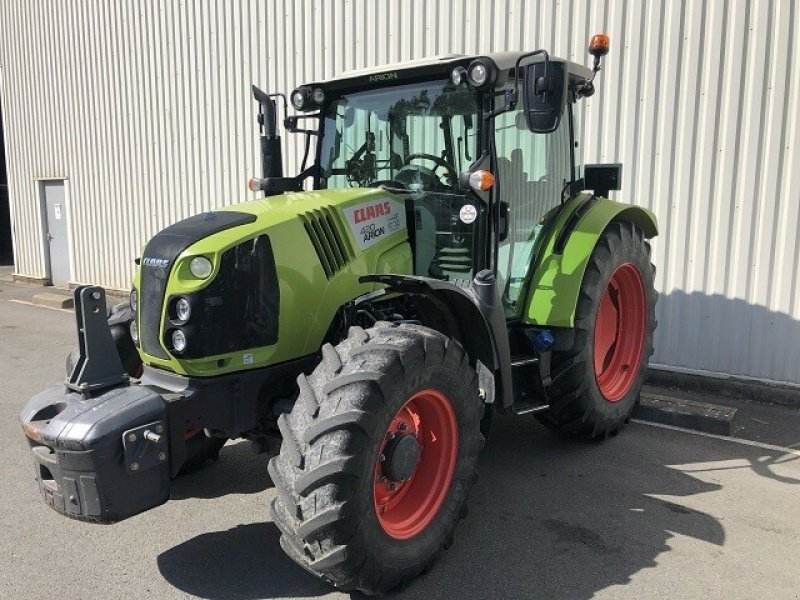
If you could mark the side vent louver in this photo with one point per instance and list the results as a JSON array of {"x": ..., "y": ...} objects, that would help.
[{"x": 334, "y": 252}]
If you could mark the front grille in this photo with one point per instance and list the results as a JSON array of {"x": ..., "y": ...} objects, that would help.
[
  {"x": 239, "y": 309},
  {"x": 334, "y": 253},
  {"x": 157, "y": 262}
]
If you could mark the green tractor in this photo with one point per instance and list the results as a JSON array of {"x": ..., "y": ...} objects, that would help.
[{"x": 453, "y": 258}]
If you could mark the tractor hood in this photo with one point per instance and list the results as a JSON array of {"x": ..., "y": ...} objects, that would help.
[
  {"x": 280, "y": 264},
  {"x": 286, "y": 207}
]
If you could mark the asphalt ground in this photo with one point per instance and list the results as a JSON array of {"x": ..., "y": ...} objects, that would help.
[{"x": 651, "y": 513}]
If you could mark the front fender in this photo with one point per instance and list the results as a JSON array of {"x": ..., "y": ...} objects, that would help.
[
  {"x": 471, "y": 312},
  {"x": 552, "y": 295}
]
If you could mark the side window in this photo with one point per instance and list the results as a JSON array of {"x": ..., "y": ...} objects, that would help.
[{"x": 532, "y": 170}]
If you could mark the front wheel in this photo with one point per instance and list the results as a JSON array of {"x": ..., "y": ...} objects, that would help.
[
  {"x": 597, "y": 378},
  {"x": 378, "y": 457}
]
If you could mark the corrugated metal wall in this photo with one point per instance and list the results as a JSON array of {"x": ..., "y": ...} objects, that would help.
[{"x": 145, "y": 107}]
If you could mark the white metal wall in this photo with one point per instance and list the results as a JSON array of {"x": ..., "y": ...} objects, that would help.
[{"x": 145, "y": 107}]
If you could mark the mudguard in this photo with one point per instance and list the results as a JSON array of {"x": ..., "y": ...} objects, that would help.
[
  {"x": 552, "y": 294},
  {"x": 472, "y": 313}
]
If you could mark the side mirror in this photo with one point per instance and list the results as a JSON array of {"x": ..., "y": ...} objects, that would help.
[{"x": 545, "y": 95}]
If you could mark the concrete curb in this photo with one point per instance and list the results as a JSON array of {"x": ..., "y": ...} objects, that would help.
[
  {"x": 680, "y": 412},
  {"x": 757, "y": 391}
]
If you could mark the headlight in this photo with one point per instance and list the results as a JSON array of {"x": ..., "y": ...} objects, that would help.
[
  {"x": 457, "y": 76},
  {"x": 200, "y": 267},
  {"x": 134, "y": 300},
  {"x": 183, "y": 310},
  {"x": 134, "y": 332},
  {"x": 178, "y": 341}
]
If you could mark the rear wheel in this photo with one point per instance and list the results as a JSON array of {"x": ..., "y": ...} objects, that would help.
[
  {"x": 378, "y": 457},
  {"x": 598, "y": 377}
]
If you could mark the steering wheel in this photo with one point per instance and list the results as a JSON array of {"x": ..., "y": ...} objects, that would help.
[{"x": 440, "y": 162}]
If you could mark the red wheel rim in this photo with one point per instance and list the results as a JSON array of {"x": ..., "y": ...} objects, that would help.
[
  {"x": 619, "y": 333},
  {"x": 406, "y": 507}
]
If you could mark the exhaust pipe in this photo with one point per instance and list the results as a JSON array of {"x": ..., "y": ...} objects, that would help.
[{"x": 271, "y": 151}]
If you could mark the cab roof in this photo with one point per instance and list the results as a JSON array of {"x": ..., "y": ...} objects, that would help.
[{"x": 439, "y": 65}]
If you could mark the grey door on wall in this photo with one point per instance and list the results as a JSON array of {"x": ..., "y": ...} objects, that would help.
[{"x": 54, "y": 198}]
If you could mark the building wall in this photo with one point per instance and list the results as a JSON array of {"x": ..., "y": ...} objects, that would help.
[{"x": 145, "y": 107}]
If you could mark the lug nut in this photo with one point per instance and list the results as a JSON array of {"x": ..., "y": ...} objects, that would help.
[
  {"x": 392, "y": 487},
  {"x": 383, "y": 457},
  {"x": 402, "y": 427},
  {"x": 382, "y": 478},
  {"x": 162, "y": 456},
  {"x": 390, "y": 435},
  {"x": 159, "y": 429},
  {"x": 134, "y": 466},
  {"x": 131, "y": 437}
]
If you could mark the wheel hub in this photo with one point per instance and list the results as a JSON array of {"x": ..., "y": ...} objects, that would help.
[
  {"x": 415, "y": 464},
  {"x": 401, "y": 457},
  {"x": 619, "y": 334}
]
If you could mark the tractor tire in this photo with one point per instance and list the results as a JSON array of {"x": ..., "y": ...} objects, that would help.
[
  {"x": 597, "y": 379},
  {"x": 378, "y": 457}
]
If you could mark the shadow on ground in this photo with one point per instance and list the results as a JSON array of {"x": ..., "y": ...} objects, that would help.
[
  {"x": 238, "y": 471},
  {"x": 548, "y": 518},
  {"x": 243, "y": 562}
]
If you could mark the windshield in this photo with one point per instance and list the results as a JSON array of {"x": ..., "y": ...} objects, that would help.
[{"x": 417, "y": 137}]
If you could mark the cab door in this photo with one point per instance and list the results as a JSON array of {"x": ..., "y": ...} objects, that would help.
[{"x": 532, "y": 170}]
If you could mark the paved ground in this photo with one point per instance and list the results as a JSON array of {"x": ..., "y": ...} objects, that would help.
[{"x": 652, "y": 513}]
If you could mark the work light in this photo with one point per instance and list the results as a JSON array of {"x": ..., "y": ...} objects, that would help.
[
  {"x": 457, "y": 75},
  {"x": 481, "y": 73},
  {"x": 301, "y": 98},
  {"x": 178, "y": 341},
  {"x": 183, "y": 310}
]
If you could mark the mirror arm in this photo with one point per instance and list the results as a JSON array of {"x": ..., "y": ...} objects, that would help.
[
  {"x": 290, "y": 123},
  {"x": 511, "y": 104},
  {"x": 519, "y": 61}
]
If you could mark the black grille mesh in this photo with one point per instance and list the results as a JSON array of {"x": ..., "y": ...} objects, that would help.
[{"x": 334, "y": 253}]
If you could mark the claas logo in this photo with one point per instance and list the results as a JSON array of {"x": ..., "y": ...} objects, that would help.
[{"x": 370, "y": 212}]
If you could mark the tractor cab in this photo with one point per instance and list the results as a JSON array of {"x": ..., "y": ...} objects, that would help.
[{"x": 480, "y": 154}]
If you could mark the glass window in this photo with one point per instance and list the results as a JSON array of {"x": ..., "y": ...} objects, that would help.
[
  {"x": 532, "y": 171},
  {"x": 415, "y": 138},
  {"x": 419, "y": 135}
]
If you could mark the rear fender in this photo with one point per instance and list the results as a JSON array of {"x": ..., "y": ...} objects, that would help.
[{"x": 552, "y": 295}]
